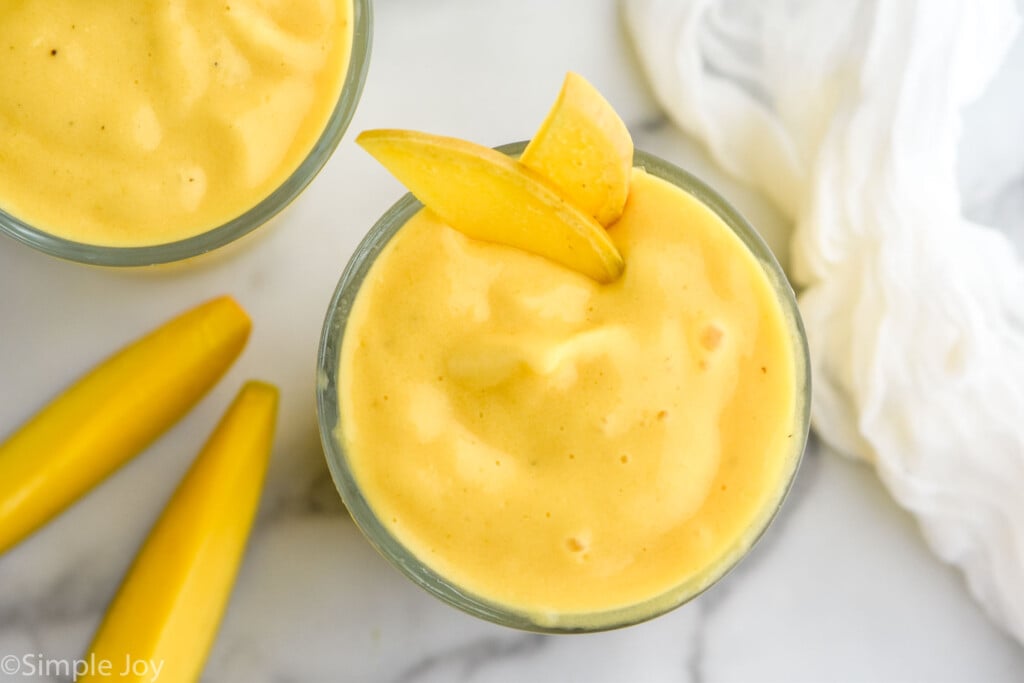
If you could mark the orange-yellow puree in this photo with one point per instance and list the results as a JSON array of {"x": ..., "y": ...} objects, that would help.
[
  {"x": 563, "y": 447},
  {"x": 139, "y": 122}
]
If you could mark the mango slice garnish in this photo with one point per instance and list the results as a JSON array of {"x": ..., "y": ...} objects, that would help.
[
  {"x": 489, "y": 196},
  {"x": 571, "y": 182},
  {"x": 585, "y": 150}
]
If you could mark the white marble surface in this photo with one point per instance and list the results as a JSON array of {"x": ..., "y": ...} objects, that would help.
[{"x": 842, "y": 587}]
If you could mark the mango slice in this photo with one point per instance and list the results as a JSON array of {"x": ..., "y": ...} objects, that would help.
[
  {"x": 585, "y": 150},
  {"x": 166, "y": 614},
  {"x": 113, "y": 413},
  {"x": 489, "y": 196}
]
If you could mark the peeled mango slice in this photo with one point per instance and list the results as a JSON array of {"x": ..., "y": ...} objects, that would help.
[
  {"x": 166, "y": 614},
  {"x": 489, "y": 196},
  {"x": 585, "y": 150},
  {"x": 113, "y": 413}
]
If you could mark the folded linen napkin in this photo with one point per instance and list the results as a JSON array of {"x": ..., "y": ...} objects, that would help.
[{"x": 847, "y": 114}]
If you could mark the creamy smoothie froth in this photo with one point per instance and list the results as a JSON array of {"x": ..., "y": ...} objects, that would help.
[
  {"x": 134, "y": 123},
  {"x": 561, "y": 447}
]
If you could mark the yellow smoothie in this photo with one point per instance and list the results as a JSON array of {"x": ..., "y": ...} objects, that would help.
[
  {"x": 562, "y": 447},
  {"x": 139, "y": 122}
]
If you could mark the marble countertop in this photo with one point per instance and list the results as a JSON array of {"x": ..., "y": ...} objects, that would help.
[{"x": 842, "y": 588}]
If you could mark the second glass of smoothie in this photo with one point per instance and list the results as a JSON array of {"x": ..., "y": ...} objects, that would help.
[{"x": 134, "y": 133}]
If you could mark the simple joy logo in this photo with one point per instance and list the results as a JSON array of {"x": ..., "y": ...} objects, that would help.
[{"x": 37, "y": 665}]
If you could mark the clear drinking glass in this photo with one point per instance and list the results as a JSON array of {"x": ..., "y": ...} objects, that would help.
[
  {"x": 399, "y": 556},
  {"x": 262, "y": 212}
]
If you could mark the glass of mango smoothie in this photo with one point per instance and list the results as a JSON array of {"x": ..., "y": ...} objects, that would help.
[
  {"x": 562, "y": 431},
  {"x": 142, "y": 132}
]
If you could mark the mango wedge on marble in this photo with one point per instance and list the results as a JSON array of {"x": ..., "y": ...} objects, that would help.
[
  {"x": 492, "y": 197},
  {"x": 585, "y": 150},
  {"x": 113, "y": 413},
  {"x": 169, "y": 607}
]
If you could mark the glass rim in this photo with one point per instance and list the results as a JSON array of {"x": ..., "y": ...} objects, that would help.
[
  {"x": 252, "y": 218},
  {"x": 329, "y": 418}
]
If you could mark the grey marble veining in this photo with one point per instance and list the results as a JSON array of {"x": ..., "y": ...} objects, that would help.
[
  {"x": 841, "y": 588},
  {"x": 465, "y": 660}
]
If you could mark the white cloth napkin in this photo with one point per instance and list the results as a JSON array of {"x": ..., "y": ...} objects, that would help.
[{"x": 847, "y": 114}]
